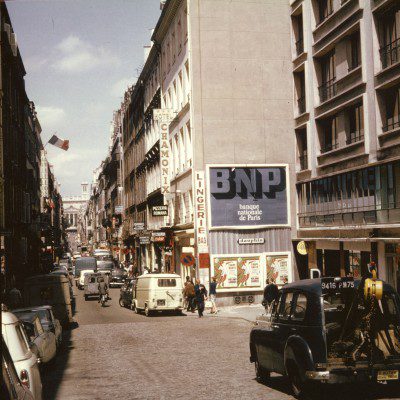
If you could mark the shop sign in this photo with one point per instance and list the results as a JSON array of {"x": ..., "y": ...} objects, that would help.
[
  {"x": 238, "y": 272},
  {"x": 200, "y": 213},
  {"x": 158, "y": 234},
  {"x": 187, "y": 259},
  {"x": 302, "y": 248},
  {"x": 164, "y": 117},
  {"x": 138, "y": 226},
  {"x": 159, "y": 211},
  {"x": 119, "y": 209},
  {"x": 204, "y": 260},
  {"x": 251, "y": 241},
  {"x": 144, "y": 239},
  {"x": 159, "y": 239},
  {"x": 243, "y": 196}
]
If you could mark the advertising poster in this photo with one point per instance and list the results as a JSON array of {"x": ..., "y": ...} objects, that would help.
[
  {"x": 278, "y": 269},
  {"x": 248, "y": 196},
  {"x": 237, "y": 272}
]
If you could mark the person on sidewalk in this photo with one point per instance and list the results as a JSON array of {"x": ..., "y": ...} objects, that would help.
[
  {"x": 271, "y": 292},
  {"x": 201, "y": 296},
  {"x": 213, "y": 295},
  {"x": 189, "y": 294}
]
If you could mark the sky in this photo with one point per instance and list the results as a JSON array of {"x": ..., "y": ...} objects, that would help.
[{"x": 80, "y": 56}]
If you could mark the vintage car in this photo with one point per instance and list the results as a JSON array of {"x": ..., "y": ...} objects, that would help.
[
  {"x": 126, "y": 293},
  {"x": 11, "y": 385},
  {"x": 330, "y": 330},
  {"x": 25, "y": 361},
  {"x": 42, "y": 340},
  {"x": 81, "y": 280},
  {"x": 117, "y": 277},
  {"x": 91, "y": 284},
  {"x": 49, "y": 322}
]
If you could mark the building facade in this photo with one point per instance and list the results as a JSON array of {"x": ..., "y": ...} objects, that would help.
[{"x": 346, "y": 73}]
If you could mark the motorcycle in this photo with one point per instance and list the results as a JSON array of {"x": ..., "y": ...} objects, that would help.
[{"x": 103, "y": 299}]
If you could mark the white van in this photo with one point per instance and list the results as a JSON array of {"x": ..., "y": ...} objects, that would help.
[{"x": 158, "y": 292}]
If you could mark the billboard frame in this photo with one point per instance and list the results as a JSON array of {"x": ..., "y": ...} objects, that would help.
[{"x": 247, "y": 227}]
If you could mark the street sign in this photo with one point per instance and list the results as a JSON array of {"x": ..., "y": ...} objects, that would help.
[
  {"x": 158, "y": 234},
  {"x": 160, "y": 211},
  {"x": 138, "y": 226},
  {"x": 187, "y": 259}
]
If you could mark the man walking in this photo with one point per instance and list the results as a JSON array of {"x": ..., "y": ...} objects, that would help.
[
  {"x": 271, "y": 292},
  {"x": 201, "y": 295},
  {"x": 213, "y": 295},
  {"x": 189, "y": 294}
]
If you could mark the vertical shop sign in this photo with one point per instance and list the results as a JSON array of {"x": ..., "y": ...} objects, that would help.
[
  {"x": 164, "y": 117},
  {"x": 200, "y": 213}
]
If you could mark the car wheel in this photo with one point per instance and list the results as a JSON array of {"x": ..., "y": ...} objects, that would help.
[
  {"x": 121, "y": 303},
  {"x": 147, "y": 312},
  {"x": 261, "y": 374},
  {"x": 298, "y": 386}
]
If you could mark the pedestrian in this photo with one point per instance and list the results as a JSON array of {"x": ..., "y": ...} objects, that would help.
[
  {"x": 213, "y": 295},
  {"x": 271, "y": 292},
  {"x": 14, "y": 298},
  {"x": 189, "y": 294},
  {"x": 201, "y": 296}
]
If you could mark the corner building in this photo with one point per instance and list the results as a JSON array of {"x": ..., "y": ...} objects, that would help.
[
  {"x": 220, "y": 69},
  {"x": 346, "y": 72}
]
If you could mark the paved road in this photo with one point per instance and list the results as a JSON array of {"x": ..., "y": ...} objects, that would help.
[{"x": 115, "y": 354}]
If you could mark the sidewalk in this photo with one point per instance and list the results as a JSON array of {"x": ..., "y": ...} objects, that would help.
[{"x": 247, "y": 312}]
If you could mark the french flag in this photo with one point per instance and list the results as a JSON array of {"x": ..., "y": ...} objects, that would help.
[{"x": 62, "y": 144}]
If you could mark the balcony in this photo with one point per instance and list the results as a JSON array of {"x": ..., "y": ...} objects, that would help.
[
  {"x": 390, "y": 54},
  {"x": 330, "y": 146},
  {"x": 391, "y": 123},
  {"x": 303, "y": 161},
  {"x": 355, "y": 137},
  {"x": 300, "y": 46},
  {"x": 301, "y": 103},
  {"x": 327, "y": 90}
]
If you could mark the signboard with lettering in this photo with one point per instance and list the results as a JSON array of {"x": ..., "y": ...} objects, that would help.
[
  {"x": 144, "y": 240},
  {"x": 200, "y": 212},
  {"x": 251, "y": 241},
  {"x": 248, "y": 196},
  {"x": 159, "y": 211},
  {"x": 138, "y": 226}
]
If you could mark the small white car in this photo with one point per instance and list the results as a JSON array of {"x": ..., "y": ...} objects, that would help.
[
  {"x": 81, "y": 280},
  {"x": 25, "y": 361},
  {"x": 44, "y": 341},
  {"x": 158, "y": 292}
]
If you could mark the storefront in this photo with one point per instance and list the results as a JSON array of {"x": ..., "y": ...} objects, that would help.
[{"x": 392, "y": 258}]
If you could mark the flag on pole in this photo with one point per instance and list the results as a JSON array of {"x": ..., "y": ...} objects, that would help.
[{"x": 56, "y": 141}]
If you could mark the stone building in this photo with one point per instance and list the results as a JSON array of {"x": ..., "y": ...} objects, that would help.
[{"x": 346, "y": 72}]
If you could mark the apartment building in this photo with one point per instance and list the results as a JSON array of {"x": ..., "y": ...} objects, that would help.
[
  {"x": 209, "y": 147},
  {"x": 346, "y": 74}
]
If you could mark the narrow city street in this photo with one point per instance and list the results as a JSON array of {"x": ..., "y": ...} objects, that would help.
[{"x": 113, "y": 353}]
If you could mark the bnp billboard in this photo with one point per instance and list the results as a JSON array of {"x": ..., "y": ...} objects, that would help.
[{"x": 248, "y": 196}]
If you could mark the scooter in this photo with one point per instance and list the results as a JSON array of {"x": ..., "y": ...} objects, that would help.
[{"x": 103, "y": 299}]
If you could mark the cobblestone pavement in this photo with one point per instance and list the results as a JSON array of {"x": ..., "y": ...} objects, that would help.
[{"x": 112, "y": 353}]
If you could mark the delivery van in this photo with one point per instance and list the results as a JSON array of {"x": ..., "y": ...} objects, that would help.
[{"x": 158, "y": 292}]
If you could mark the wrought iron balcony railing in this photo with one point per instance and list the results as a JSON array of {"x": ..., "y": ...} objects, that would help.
[
  {"x": 327, "y": 90},
  {"x": 330, "y": 146},
  {"x": 390, "y": 53},
  {"x": 355, "y": 137},
  {"x": 391, "y": 123}
]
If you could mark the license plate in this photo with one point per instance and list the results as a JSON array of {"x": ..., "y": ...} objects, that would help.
[
  {"x": 161, "y": 302},
  {"x": 388, "y": 375}
]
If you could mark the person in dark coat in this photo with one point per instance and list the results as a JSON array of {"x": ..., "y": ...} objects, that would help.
[
  {"x": 201, "y": 296},
  {"x": 271, "y": 292},
  {"x": 189, "y": 294}
]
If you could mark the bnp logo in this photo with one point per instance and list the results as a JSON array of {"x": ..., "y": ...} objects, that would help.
[{"x": 227, "y": 183}]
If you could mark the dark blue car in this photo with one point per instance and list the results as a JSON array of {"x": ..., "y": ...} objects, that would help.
[{"x": 325, "y": 330}]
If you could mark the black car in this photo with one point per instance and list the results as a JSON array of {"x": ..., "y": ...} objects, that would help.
[
  {"x": 126, "y": 293},
  {"x": 329, "y": 330},
  {"x": 117, "y": 277}
]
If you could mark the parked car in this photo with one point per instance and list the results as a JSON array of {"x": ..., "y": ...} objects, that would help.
[
  {"x": 117, "y": 277},
  {"x": 25, "y": 361},
  {"x": 84, "y": 263},
  {"x": 158, "y": 292},
  {"x": 11, "y": 385},
  {"x": 91, "y": 285},
  {"x": 81, "y": 280},
  {"x": 126, "y": 293},
  {"x": 318, "y": 330},
  {"x": 53, "y": 290},
  {"x": 43, "y": 340},
  {"x": 49, "y": 322}
]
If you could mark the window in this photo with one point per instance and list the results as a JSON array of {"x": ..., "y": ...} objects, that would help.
[
  {"x": 356, "y": 124},
  {"x": 166, "y": 282},
  {"x": 355, "y": 55},
  {"x": 325, "y": 9},
  {"x": 286, "y": 306},
  {"x": 392, "y": 98},
  {"x": 329, "y": 135},
  {"x": 328, "y": 77},
  {"x": 300, "y": 40},
  {"x": 389, "y": 35},
  {"x": 300, "y": 306}
]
